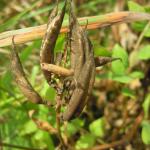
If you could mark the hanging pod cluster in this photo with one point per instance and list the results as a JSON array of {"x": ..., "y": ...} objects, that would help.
[{"x": 81, "y": 60}]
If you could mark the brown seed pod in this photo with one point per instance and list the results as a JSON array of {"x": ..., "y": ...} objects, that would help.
[
  {"x": 21, "y": 80},
  {"x": 82, "y": 61},
  {"x": 50, "y": 38}
]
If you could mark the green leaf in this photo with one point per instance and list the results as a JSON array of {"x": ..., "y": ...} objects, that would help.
[
  {"x": 50, "y": 94},
  {"x": 11, "y": 22},
  {"x": 34, "y": 73},
  {"x": 38, "y": 12},
  {"x": 78, "y": 123},
  {"x": 118, "y": 78},
  {"x": 144, "y": 53},
  {"x": 135, "y": 7},
  {"x": 146, "y": 106},
  {"x": 101, "y": 51},
  {"x": 97, "y": 128},
  {"x": 146, "y": 132},
  {"x": 137, "y": 75},
  {"x": 147, "y": 33},
  {"x": 6, "y": 81},
  {"x": 28, "y": 128},
  {"x": 128, "y": 92},
  {"x": 138, "y": 26},
  {"x": 39, "y": 135},
  {"x": 119, "y": 67},
  {"x": 122, "y": 79},
  {"x": 74, "y": 126},
  {"x": 41, "y": 10},
  {"x": 43, "y": 139},
  {"x": 26, "y": 53},
  {"x": 85, "y": 141},
  {"x": 59, "y": 44},
  {"x": 71, "y": 129}
]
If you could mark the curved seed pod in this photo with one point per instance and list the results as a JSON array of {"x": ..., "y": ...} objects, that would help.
[
  {"x": 82, "y": 61},
  {"x": 86, "y": 80},
  {"x": 90, "y": 60},
  {"x": 22, "y": 81},
  {"x": 76, "y": 45},
  {"x": 79, "y": 94},
  {"x": 50, "y": 38}
]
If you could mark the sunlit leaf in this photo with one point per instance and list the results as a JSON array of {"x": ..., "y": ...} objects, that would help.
[
  {"x": 101, "y": 51},
  {"x": 50, "y": 94},
  {"x": 97, "y": 127},
  {"x": 43, "y": 139},
  {"x": 119, "y": 67},
  {"x": 28, "y": 128},
  {"x": 133, "y": 6},
  {"x": 85, "y": 141},
  {"x": 128, "y": 92},
  {"x": 146, "y": 106},
  {"x": 74, "y": 126},
  {"x": 6, "y": 81},
  {"x": 137, "y": 75},
  {"x": 146, "y": 132},
  {"x": 59, "y": 44},
  {"x": 147, "y": 33},
  {"x": 122, "y": 79},
  {"x": 144, "y": 53},
  {"x": 34, "y": 73}
]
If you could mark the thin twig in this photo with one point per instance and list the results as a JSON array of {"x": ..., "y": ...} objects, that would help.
[
  {"x": 45, "y": 126},
  {"x": 94, "y": 22},
  {"x": 58, "y": 109}
]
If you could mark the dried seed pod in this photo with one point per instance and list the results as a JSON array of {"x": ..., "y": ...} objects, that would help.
[
  {"x": 76, "y": 43},
  {"x": 89, "y": 60},
  {"x": 82, "y": 61},
  {"x": 50, "y": 38},
  {"x": 79, "y": 95},
  {"x": 22, "y": 81}
]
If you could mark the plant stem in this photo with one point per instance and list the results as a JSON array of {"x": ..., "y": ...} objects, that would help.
[{"x": 94, "y": 22}]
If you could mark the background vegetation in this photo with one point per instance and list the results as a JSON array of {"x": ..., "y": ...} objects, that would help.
[{"x": 120, "y": 101}]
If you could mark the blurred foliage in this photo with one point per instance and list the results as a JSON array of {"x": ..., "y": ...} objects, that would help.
[{"x": 121, "y": 90}]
